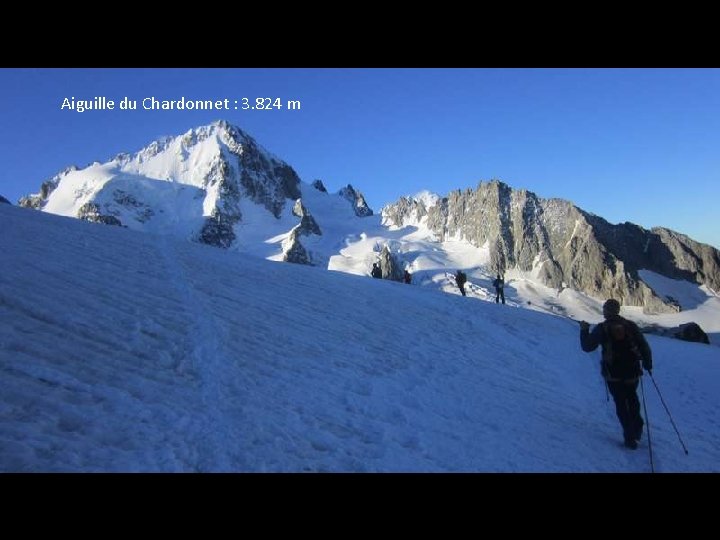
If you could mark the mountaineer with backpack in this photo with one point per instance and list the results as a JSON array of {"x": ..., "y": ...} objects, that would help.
[
  {"x": 460, "y": 279},
  {"x": 624, "y": 348},
  {"x": 499, "y": 285}
]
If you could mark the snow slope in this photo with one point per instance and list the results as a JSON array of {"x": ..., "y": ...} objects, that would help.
[{"x": 127, "y": 351}]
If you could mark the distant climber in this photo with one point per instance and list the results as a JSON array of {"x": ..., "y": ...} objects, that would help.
[
  {"x": 407, "y": 277},
  {"x": 499, "y": 285},
  {"x": 376, "y": 272},
  {"x": 461, "y": 279},
  {"x": 623, "y": 349}
]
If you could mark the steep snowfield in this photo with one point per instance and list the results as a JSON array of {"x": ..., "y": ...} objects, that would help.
[{"x": 122, "y": 351}]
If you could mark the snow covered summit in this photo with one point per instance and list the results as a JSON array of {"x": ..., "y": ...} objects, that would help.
[{"x": 207, "y": 185}]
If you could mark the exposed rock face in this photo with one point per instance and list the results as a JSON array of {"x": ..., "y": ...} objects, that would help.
[
  {"x": 566, "y": 246},
  {"x": 142, "y": 211},
  {"x": 267, "y": 181},
  {"x": 295, "y": 252},
  {"x": 4, "y": 200},
  {"x": 688, "y": 257},
  {"x": 405, "y": 210},
  {"x": 91, "y": 212},
  {"x": 692, "y": 332},
  {"x": 307, "y": 222},
  {"x": 218, "y": 229},
  {"x": 317, "y": 184},
  {"x": 390, "y": 266},
  {"x": 357, "y": 200}
]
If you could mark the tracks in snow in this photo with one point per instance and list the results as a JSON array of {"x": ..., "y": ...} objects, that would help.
[{"x": 207, "y": 360}]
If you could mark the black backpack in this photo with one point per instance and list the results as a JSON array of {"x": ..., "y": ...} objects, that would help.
[{"x": 621, "y": 355}]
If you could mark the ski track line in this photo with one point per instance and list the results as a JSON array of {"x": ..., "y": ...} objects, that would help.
[{"x": 207, "y": 361}]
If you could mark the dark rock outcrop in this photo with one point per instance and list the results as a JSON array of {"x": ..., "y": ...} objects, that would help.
[
  {"x": 308, "y": 224},
  {"x": 142, "y": 212},
  {"x": 357, "y": 200},
  {"x": 294, "y": 251},
  {"x": 266, "y": 180},
  {"x": 692, "y": 332},
  {"x": 317, "y": 184},
  {"x": 91, "y": 212},
  {"x": 390, "y": 266},
  {"x": 218, "y": 229},
  {"x": 4, "y": 200}
]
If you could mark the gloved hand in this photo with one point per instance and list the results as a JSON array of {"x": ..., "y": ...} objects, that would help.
[{"x": 584, "y": 325}]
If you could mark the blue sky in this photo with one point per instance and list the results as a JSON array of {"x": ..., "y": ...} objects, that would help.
[{"x": 639, "y": 145}]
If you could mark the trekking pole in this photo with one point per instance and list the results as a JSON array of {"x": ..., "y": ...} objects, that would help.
[
  {"x": 647, "y": 425},
  {"x": 668, "y": 411}
]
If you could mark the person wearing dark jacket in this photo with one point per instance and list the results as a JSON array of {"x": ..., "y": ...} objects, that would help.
[
  {"x": 624, "y": 348},
  {"x": 376, "y": 271},
  {"x": 499, "y": 285},
  {"x": 460, "y": 279}
]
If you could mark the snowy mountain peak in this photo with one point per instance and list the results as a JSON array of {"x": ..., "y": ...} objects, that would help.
[
  {"x": 357, "y": 200},
  {"x": 426, "y": 197},
  {"x": 214, "y": 184},
  {"x": 190, "y": 185},
  {"x": 191, "y": 157}
]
